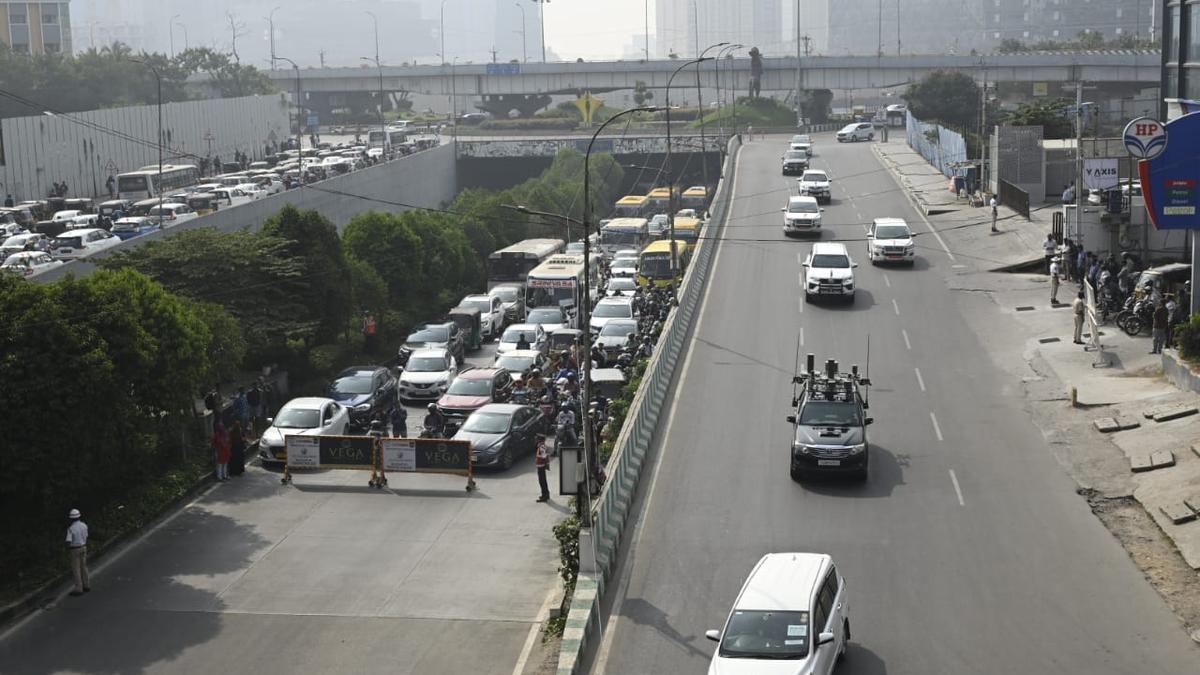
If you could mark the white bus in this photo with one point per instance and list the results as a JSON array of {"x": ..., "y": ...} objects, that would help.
[
  {"x": 510, "y": 265},
  {"x": 558, "y": 282},
  {"x": 145, "y": 183},
  {"x": 620, "y": 233}
]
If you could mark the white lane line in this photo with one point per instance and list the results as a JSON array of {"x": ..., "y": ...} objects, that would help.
[
  {"x": 886, "y": 281},
  {"x": 534, "y": 629},
  {"x": 800, "y": 303},
  {"x": 801, "y": 336},
  {"x": 907, "y": 344},
  {"x": 920, "y": 380},
  {"x": 799, "y": 258},
  {"x": 936, "y": 429},
  {"x": 609, "y": 628},
  {"x": 895, "y": 307},
  {"x": 957, "y": 489}
]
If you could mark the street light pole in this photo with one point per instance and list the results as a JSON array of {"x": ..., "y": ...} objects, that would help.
[
  {"x": 271, "y": 27},
  {"x": 542, "y": 17},
  {"x": 585, "y": 515},
  {"x": 667, "y": 163},
  {"x": 185, "y": 36},
  {"x": 382, "y": 125},
  {"x": 299, "y": 126},
  {"x": 524, "y": 52},
  {"x": 171, "y": 28},
  {"x": 158, "y": 186},
  {"x": 717, "y": 71},
  {"x": 700, "y": 112},
  {"x": 442, "y": 23}
]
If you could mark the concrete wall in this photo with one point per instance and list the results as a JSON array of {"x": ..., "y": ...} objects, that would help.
[
  {"x": 427, "y": 179},
  {"x": 84, "y": 148}
]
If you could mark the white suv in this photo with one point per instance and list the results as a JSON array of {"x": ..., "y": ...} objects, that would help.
[
  {"x": 890, "y": 240},
  {"x": 829, "y": 271},
  {"x": 859, "y": 131},
  {"x": 815, "y": 183},
  {"x": 793, "y": 610},
  {"x": 491, "y": 313},
  {"x": 802, "y": 214}
]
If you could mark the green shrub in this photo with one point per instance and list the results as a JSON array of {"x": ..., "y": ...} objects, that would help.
[
  {"x": 1187, "y": 339},
  {"x": 538, "y": 123}
]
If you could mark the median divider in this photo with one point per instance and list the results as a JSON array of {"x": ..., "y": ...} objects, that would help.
[{"x": 599, "y": 545}]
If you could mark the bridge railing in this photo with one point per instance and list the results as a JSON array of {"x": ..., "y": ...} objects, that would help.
[{"x": 610, "y": 513}]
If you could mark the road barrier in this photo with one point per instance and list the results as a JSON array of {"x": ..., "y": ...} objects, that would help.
[
  {"x": 610, "y": 512},
  {"x": 364, "y": 453},
  {"x": 425, "y": 455}
]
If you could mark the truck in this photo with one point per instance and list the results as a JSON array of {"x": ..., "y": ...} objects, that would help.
[{"x": 829, "y": 426}]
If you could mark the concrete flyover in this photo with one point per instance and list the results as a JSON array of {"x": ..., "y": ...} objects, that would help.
[{"x": 779, "y": 74}]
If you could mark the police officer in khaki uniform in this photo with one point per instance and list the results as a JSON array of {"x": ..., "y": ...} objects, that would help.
[{"x": 77, "y": 536}]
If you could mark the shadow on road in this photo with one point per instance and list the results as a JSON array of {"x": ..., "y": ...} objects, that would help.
[
  {"x": 862, "y": 661},
  {"x": 645, "y": 614},
  {"x": 887, "y": 472},
  {"x": 863, "y": 301}
]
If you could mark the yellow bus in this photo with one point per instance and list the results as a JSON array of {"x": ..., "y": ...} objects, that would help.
[
  {"x": 687, "y": 230},
  {"x": 695, "y": 197},
  {"x": 654, "y": 263},
  {"x": 631, "y": 206},
  {"x": 660, "y": 200}
]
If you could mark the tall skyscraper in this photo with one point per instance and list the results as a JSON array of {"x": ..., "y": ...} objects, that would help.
[
  {"x": 685, "y": 27},
  {"x": 36, "y": 27}
]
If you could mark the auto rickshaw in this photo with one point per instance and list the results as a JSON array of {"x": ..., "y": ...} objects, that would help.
[
  {"x": 1168, "y": 278},
  {"x": 203, "y": 203},
  {"x": 607, "y": 382},
  {"x": 468, "y": 320},
  {"x": 563, "y": 338},
  {"x": 109, "y": 208},
  {"x": 81, "y": 204}
]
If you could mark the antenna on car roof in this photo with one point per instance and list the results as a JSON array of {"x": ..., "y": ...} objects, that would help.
[{"x": 795, "y": 370}]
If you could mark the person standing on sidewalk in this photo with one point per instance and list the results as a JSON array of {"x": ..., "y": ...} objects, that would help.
[
  {"x": 995, "y": 212},
  {"x": 1054, "y": 270},
  {"x": 398, "y": 418},
  {"x": 221, "y": 449},
  {"x": 77, "y": 536},
  {"x": 1050, "y": 247},
  {"x": 541, "y": 460},
  {"x": 1161, "y": 321},
  {"x": 1078, "y": 307}
]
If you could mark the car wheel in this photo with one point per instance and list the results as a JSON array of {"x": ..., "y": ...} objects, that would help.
[
  {"x": 797, "y": 474},
  {"x": 850, "y": 300},
  {"x": 506, "y": 458},
  {"x": 845, "y": 640},
  {"x": 870, "y": 137},
  {"x": 807, "y": 296}
]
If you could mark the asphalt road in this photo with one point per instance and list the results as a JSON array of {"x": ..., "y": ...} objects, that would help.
[
  {"x": 967, "y": 551},
  {"x": 322, "y": 576}
]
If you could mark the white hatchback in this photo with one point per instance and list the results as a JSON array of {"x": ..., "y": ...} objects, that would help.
[
  {"x": 29, "y": 263},
  {"x": 73, "y": 244},
  {"x": 791, "y": 616}
]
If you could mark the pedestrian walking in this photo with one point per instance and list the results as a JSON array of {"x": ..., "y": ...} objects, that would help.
[
  {"x": 241, "y": 408},
  {"x": 1078, "y": 306},
  {"x": 398, "y": 418},
  {"x": 1081, "y": 263},
  {"x": 1161, "y": 321},
  {"x": 1050, "y": 248},
  {"x": 995, "y": 212},
  {"x": 254, "y": 402},
  {"x": 541, "y": 460},
  {"x": 237, "y": 450},
  {"x": 1054, "y": 271},
  {"x": 8, "y": 200},
  {"x": 220, "y": 445},
  {"x": 77, "y": 536},
  {"x": 111, "y": 186}
]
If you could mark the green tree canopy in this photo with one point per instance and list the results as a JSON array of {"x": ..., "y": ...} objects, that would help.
[
  {"x": 1050, "y": 114},
  {"x": 945, "y": 96},
  {"x": 313, "y": 241}
]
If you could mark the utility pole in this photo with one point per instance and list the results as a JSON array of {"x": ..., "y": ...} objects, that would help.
[
  {"x": 1078, "y": 156},
  {"x": 493, "y": 51},
  {"x": 321, "y": 55},
  {"x": 271, "y": 28},
  {"x": 879, "y": 43},
  {"x": 799, "y": 111},
  {"x": 897, "y": 27}
]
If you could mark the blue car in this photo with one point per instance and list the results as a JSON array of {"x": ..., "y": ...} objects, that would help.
[{"x": 133, "y": 226}]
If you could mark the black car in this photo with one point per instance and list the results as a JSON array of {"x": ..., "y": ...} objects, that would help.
[
  {"x": 795, "y": 162},
  {"x": 500, "y": 432},
  {"x": 366, "y": 391},
  {"x": 446, "y": 335}
]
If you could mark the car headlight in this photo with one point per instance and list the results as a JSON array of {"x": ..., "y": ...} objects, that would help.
[
  {"x": 362, "y": 407},
  {"x": 858, "y": 449},
  {"x": 801, "y": 448}
]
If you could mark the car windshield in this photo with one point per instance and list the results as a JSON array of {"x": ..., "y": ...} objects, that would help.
[
  {"x": 426, "y": 364},
  {"x": 622, "y": 284},
  {"x": 625, "y": 255},
  {"x": 352, "y": 384},
  {"x": 795, "y": 154},
  {"x": 803, "y": 207},
  {"x": 439, "y": 334},
  {"x": 835, "y": 260},
  {"x": 486, "y": 423},
  {"x": 484, "y": 305},
  {"x": 545, "y": 316},
  {"x": 802, "y": 138},
  {"x": 814, "y": 176},
  {"x": 761, "y": 634},
  {"x": 617, "y": 329},
  {"x": 517, "y": 364},
  {"x": 612, "y": 310},
  {"x": 470, "y": 387},
  {"x": 892, "y": 232},
  {"x": 830, "y": 413},
  {"x": 297, "y": 418},
  {"x": 69, "y": 242},
  {"x": 507, "y": 293},
  {"x": 514, "y": 335}
]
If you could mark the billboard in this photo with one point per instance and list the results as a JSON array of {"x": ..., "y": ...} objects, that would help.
[{"x": 1170, "y": 179}]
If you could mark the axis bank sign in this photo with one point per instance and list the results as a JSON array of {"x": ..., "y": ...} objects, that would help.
[{"x": 1100, "y": 174}]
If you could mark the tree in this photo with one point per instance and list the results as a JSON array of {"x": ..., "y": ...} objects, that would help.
[
  {"x": 229, "y": 77},
  {"x": 1011, "y": 45},
  {"x": 313, "y": 242},
  {"x": 1091, "y": 39},
  {"x": 945, "y": 96},
  {"x": 641, "y": 94},
  {"x": 1051, "y": 115}
]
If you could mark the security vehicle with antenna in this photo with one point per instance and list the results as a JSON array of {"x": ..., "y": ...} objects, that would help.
[{"x": 830, "y": 423}]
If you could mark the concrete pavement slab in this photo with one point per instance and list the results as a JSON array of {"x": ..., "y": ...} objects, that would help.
[
  {"x": 1178, "y": 512},
  {"x": 1174, "y": 413},
  {"x": 1193, "y": 503},
  {"x": 1107, "y": 425},
  {"x": 1162, "y": 459},
  {"x": 1141, "y": 462}
]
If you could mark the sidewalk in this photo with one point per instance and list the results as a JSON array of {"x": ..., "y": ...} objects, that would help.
[
  {"x": 1156, "y": 463},
  {"x": 964, "y": 227}
]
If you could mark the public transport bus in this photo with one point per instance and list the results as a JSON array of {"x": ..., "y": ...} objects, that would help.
[
  {"x": 654, "y": 263},
  {"x": 621, "y": 233},
  {"x": 511, "y": 265},
  {"x": 557, "y": 282},
  {"x": 660, "y": 200},
  {"x": 377, "y": 138},
  {"x": 145, "y": 182},
  {"x": 632, "y": 206},
  {"x": 695, "y": 197},
  {"x": 687, "y": 230}
]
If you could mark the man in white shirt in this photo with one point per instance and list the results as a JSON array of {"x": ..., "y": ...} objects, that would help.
[
  {"x": 77, "y": 536},
  {"x": 995, "y": 212},
  {"x": 1054, "y": 271},
  {"x": 1050, "y": 247}
]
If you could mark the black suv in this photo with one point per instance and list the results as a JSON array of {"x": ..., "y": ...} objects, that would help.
[
  {"x": 366, "y": 391},
  {"x": 445, "y": 335},
  {"x": 830, "y": 424}
]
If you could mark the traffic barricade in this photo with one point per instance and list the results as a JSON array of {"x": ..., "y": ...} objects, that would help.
[
  {"x": 425, "y": 455},
  {"x": 357, "y": 453}
]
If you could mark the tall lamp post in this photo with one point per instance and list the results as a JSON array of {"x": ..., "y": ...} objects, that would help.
[
  {"x": 299, "y": 112},
  {"x": 442, "y": 29},
  {"x": 171, "y": 28},
  {"x": 670, "y": 178},
  {"x": 700, "y": 112},
  {"x": 158, "y": 183},
  {"x": 542, "y": 17},
  {"x": 185, "y": 36},
  {"x": 271, "y": 28},
  {"x": 524, "y": 52},
  {"x": 382, "y": 125},
  {"x": 717, "y": 70}
]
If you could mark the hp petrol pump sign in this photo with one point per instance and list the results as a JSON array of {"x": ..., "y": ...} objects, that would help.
[{"x": 1145, "y": 138}]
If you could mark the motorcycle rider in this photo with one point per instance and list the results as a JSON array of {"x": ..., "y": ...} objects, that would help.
[
  {"x": 535, "y": 384},
  {"x": 565, "y": 425},
  {"x": 435, "y": 421},
  {"x": 647, "y": 349},
  {"x": 399, "y": 420},
  {"x": 598, "y": 357}
]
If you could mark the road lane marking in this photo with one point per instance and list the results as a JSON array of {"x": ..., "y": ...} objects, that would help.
[
  {"x": 936, "y": 429},
  {"x": 957, "y": 489},
  {"x": 895, "y": 307},
  {"x": 907, "y": 344},
  {"x": 534, "y": 629},
  {"x": 801, "y": 336},
  {"x": 608, "y": 629},
  {"x": 920, "y": 380},
  {"x": 800, "y": 303},
  {"x": 886, "y": 281},
  {"x": 799, "y": 258}
]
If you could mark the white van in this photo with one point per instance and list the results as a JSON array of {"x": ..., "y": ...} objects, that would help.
[
  {"x": 173, "y": 213},
  {"x": 793, "y": 609}
]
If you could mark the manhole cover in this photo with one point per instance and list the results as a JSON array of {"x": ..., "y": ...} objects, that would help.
[
  {"x": 1048, "y": 340},
  {"x": 1026, "y": 308}
]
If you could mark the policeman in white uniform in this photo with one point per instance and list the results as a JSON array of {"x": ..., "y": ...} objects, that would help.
[{"x": 77, "y": 536}]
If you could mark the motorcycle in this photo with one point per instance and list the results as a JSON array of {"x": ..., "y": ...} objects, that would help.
[{"x": 1137, "y": 318}]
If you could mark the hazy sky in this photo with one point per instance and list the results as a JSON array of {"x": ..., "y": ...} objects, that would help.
[{"x": 594, "y": 30}]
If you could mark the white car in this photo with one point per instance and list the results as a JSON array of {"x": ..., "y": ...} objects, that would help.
[
  {"x": 173, "y": 214},
  {"x": 30, "y": 241},
  {"x": 658, "y": 224},
  {"x": 270, "y": 184},
  {"x": 621, "y": 287},
  {"x": 83, "y": 221},
  {"x": 533, "y": 333},
  {"x": 802, "y": 214},
  {"x": 815, "y": 183},
  {"x": 791, "y": 616},
  {"x": 251, "y": 190},
  {"x": 608, "y": 309},
  {"x": 510, "y": 300},
  {"x": 549, "y": 318},
  {"x": 890, "y": 240},
  {"x": 491, "y": 313},
  {"x": 803, "y": 143},
  {"x": 858, "y": 131},
  {"x": 625, "y": 254},
  {"x": 65, "y": 216},
  {"x": 829, "y": 271},
  {"x": 73, "y": 244},
  {"x": 309, "y": 416},
  {"x": 427, "y": 374},
  {"x": 30, "y": 263}
]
